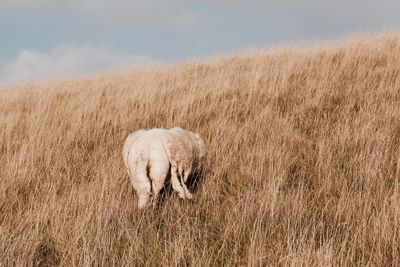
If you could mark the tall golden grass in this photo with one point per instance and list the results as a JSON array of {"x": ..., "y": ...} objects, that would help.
[{"x": 304, "y": 162}]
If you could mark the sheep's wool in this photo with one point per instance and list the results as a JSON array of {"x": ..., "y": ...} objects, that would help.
[{"x": 150, "y": 155}]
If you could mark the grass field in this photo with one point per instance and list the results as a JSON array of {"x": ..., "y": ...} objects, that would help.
[{"x": 304, "y": 162}]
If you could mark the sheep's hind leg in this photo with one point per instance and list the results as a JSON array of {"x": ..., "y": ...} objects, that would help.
[
  {"x": 143, "y": 189},
  {"x": 140, "y": 182},
  {"x": 158, "y": 174}
]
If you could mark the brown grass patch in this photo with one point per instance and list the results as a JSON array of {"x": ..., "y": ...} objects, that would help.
[{"x": 303, "y": 152}]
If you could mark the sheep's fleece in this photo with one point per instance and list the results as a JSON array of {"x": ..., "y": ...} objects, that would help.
[{"x": 149, "y": 155}]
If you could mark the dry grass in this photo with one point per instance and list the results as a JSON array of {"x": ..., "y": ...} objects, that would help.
[{"x": 304, "y": 162}]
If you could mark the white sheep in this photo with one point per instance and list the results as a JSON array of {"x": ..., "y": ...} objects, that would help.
[
  {"x": 147, "y": 163},
  {"x": 187, "y": 154},
  {"x": 150, "y": 155}
]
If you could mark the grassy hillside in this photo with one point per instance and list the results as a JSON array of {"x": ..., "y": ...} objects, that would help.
[{"x": 304, "y": 162}]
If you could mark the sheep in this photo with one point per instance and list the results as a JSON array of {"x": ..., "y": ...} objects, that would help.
[
  {"x": 150, "y": 155},
  {"x": 187, "y": 154},
  {"x": 147, "y": 163}
]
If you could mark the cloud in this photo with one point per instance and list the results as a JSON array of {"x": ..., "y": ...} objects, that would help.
[
  {"x": 178, "y": 29},
  {"x": 66, "y": 60}
]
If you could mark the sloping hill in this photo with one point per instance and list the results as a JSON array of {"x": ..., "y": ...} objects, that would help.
[{"x": 304, "y": 162}]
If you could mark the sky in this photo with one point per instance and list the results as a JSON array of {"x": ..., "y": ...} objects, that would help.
[{"x": 47, "y": 39}]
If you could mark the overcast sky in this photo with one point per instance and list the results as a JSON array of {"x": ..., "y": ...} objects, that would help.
[{"x": 45, "y": 39}]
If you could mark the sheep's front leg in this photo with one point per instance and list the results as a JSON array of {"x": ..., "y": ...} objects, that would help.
[
  {"x": 176, "y": 185},
  {"x": 184, "y": 179}
]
